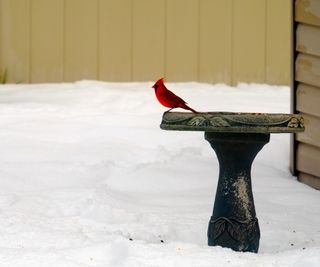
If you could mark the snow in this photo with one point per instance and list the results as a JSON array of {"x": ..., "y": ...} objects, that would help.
[{"x": 87, "y": 178}]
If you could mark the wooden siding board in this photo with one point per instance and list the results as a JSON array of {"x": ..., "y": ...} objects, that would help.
[
  {"x": 278, "y": 41},
  {"x": 308, "y": 99},
  {"x": 307, "y": 95},
  {"x": 308, "y": 69},
  {"x": 249, "y": 41},
  {"x": 308, "y": 159},
  {"x": 115, "y": 40},
  {"x": 148, "y": 40},
  {"x": 311, "y": 180},
  {"x": 308, "y": 39},
  {"x": 15, "y": 20},
  {"x": 182, "y": 30},
  {"x": 311, "y": 135},
  {"x": 47, "y": 41},
  {"x": 308, "y": 11},
  {"x": 215, "y": 39},
  {"x": 81, "y": 37}
]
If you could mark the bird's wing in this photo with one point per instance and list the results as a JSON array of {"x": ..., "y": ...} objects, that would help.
[{"x": 170, "y": 95}]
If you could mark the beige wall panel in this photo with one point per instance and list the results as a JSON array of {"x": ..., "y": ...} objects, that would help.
[
  {"x": 15, "y": 39},
  {"x": 182, "y": 47},
  {"x": 115, "y": 35},
  {"x": 249, "y": 41},
  {"x": 310, "y": 180},
  {"x": 311, "y": 135},
  {"x": 124, "y": 40},
  {"x": 278, "y": 41},
  {"x": 148, "y": 40},
  {"x": 47, "y": 41},
  {"x": 215, "y": 41},
  {"x": 81, "y": 36},
  {"x": 308, "y": 11},
  {"x": 308, "y": 69},
  {"x": 308, "y": 159},
  {"x": 308, "y": 99},
  {"x": 308, "y": 39}
]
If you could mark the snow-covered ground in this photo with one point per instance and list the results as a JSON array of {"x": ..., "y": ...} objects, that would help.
[{"x": 87, "y": 178}]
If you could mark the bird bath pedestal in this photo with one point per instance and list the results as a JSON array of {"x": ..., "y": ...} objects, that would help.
[{"x": 236, "y": 138}]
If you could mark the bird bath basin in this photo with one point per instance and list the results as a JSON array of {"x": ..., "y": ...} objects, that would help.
[{"x": 236, "y": 138}]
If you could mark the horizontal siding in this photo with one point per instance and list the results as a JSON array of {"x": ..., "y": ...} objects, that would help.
[
  {"x": 308, "y": 11},
  {"x": 311, "y": 135},
  {"x": 308, "y": 99},
  {"x": 307, "y": 90},
  {"x": 311, "y": 180},
  {"x": 308, "y": 69},
  {"x": 308, "y": 159},
  {"x": 131, "y": 40},
  {"x": 308, "y": 39}
]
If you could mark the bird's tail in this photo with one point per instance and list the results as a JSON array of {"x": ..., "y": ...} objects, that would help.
[{"x": 188, "y": 108}]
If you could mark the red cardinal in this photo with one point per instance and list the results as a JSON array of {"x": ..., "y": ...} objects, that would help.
[{"x": 169, "y": 99}]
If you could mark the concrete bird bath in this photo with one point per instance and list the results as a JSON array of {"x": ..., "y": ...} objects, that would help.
[{"x": 236, "y": 138}]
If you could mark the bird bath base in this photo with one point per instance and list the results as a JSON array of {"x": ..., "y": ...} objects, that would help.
[{"x": 236, "y": 138}]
